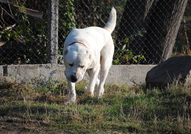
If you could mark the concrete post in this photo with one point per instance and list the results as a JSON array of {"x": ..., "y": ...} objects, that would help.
[{"x": 53, "y": 31}]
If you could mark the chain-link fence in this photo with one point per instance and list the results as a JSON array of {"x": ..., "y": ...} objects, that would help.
[
  {"x": 145, "y": 33},
  {"x": 23, "y": 32}
]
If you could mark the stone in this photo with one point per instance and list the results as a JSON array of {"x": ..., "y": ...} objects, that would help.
[
  {"x": 129, "y": 75},
  {"x": 174, "y": 71}
]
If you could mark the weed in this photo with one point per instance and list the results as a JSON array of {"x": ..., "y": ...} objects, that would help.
[{"x": 121, "y": 110}]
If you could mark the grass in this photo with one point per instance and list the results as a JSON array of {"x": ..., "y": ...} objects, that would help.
[{"x": 26, "y": 109}]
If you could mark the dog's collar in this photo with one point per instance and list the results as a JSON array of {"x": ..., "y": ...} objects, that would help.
[{"x": 78, "y": 43}]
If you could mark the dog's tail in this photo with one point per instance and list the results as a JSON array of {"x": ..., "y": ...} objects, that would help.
[{"x": 110, "y": 25}]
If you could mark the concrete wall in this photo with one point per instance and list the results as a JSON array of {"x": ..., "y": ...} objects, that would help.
[{"x": 119, "y": 74}]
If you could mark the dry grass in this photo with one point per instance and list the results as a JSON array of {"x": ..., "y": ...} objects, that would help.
[{"x": 25, "y": 109}]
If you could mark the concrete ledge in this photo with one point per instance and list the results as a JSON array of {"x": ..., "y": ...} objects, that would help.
[
  {"x": 119, "y": 74},
  {"x": 128, "y": 74}
]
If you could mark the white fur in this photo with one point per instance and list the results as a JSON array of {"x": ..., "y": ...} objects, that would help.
[{"x": 89, "y": 50}]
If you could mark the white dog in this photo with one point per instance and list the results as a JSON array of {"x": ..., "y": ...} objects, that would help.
[{"x": 89, "y": 50}]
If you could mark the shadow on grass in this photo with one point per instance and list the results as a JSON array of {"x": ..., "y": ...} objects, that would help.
[{"x": 121, "y": 110}]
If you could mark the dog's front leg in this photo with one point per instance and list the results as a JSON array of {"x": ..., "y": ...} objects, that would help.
[
  {"x": 72, "y": 93},
  {"x": 105, "y": 66},
  {"x": 93, "y": 74}
]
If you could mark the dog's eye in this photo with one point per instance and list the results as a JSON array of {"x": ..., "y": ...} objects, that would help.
[
  {"x": 81, "y": 66},
  {"x": 71, "y": 65}
]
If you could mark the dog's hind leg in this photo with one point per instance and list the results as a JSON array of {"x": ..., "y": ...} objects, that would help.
[
  {"x": 103, "y": 75},
  {"x": 97, "y": 86},
  {"x": 106, "y": 62}
]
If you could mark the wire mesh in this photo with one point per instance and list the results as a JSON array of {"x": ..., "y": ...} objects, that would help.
[
  {"x": 23, "y": 32},
  {"x": 140, "y": 35}
]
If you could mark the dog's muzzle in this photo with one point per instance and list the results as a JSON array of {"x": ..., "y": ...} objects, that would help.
[{"x": 73, "y": 78}]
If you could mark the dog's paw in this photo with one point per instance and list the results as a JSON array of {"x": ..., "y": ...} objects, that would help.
[
  {"x": 87, "y": 92},
  {"x": 69, "y": 102},
  {"x": 100, "y": 93},
  {"x": 99, "y": 96}
]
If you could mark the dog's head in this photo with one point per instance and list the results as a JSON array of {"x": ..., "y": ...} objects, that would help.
[{"x": 76, "y": 62}]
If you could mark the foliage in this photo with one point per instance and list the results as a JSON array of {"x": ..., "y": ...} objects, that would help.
[
  {"x": 67, "y": 22},
  {"x": 124, "y": 55},
  {"x": 121, "y": 110},
  {"x": 67, "y": 10},
  {"x": 28, "y": 37}
]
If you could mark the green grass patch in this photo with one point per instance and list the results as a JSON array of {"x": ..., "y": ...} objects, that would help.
[{"x": 122, "y": 110}]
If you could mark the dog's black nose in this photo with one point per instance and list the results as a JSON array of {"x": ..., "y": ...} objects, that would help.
[{"x": 73, "y": 78}]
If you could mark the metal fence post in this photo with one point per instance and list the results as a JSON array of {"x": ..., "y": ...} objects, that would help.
[{"x": 53, "y": 31}]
